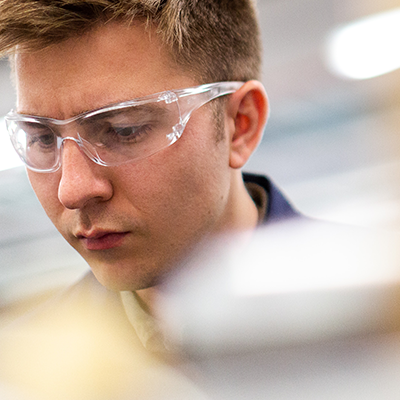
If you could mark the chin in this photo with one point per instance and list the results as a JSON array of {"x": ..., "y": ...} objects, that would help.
[{"x": 118, "y": 280}]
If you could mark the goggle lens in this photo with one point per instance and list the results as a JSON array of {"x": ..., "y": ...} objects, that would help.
[{"x": 113, "y": 135}]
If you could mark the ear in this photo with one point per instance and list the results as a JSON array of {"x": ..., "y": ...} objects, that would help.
[{"x": 247, "y": 113}]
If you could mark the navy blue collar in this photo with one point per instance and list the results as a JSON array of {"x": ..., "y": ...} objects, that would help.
[{"x": 278, "y": 207}]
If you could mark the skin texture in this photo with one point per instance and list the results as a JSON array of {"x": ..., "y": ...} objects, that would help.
[{"x": 163, "y": 205}]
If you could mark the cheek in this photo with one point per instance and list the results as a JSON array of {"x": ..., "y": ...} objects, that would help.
[
  {"x": 45, "y": 187},
  {"x": 182, "y": 184}
]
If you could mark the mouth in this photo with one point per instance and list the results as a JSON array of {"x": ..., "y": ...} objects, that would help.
[{"x": 102, "y": 240}]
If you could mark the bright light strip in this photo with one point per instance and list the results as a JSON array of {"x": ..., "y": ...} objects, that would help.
[
  {"x": 8, "y": 157},
  {"x": 366, "y": 48}
]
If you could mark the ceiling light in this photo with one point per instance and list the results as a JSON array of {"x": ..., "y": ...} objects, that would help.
[{"x": 366, "y": 48}]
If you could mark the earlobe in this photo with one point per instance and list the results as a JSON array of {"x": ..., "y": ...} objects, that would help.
[{"x": 249, "y": 111}]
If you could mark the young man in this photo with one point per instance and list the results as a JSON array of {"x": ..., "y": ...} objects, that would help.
[
  {"x": 134, "y": 119},
  {"x": 127, "y": 201}
]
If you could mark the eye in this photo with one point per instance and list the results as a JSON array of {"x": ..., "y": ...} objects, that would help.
[
  {"x": 42, "y": 140},
  {"x": 128, "y": 134}
]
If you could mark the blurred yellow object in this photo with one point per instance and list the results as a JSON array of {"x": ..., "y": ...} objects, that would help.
[{"x": 72, "y": 351}]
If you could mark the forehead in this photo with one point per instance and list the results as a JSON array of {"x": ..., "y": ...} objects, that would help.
[{"x": 112, "y": 63}]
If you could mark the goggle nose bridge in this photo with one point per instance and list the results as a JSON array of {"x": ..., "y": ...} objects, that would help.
[{"x": 86, "y": 147}]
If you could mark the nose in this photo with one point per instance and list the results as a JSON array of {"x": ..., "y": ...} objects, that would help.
[{"x": 82, "y": 181}]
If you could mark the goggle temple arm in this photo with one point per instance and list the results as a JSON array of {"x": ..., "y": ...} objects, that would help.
[{"x": 192, "y": 99}]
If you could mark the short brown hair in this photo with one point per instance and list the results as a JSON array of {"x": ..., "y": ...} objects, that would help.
[{"x": 216, "y": 40}]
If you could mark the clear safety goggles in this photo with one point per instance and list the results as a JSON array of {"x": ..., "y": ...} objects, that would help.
[{"x": 115, "y": 134}]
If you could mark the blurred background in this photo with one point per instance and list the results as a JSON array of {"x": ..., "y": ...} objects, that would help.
[{"x": 331, "y": 144}]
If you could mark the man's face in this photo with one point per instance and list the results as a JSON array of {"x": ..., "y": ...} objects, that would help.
[{"x": 131, "y": 222}]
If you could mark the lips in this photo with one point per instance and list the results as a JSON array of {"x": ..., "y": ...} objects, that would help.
[{"x": 102, "y": 240}]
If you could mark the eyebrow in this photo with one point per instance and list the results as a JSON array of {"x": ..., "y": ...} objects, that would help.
[
  {"x": 102, "y": 113},
  {"x": 36, "y": 125},
  {"x": 76, "y": 113},
  {"x": 144, "y": 109}
]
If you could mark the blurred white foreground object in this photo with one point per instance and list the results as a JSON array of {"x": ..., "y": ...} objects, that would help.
[{"x": 302, "y": 310}]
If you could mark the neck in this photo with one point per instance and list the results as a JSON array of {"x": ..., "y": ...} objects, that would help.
[
  {"x": 148, "y": 297},
  {"x": 241, "y": 213}
]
